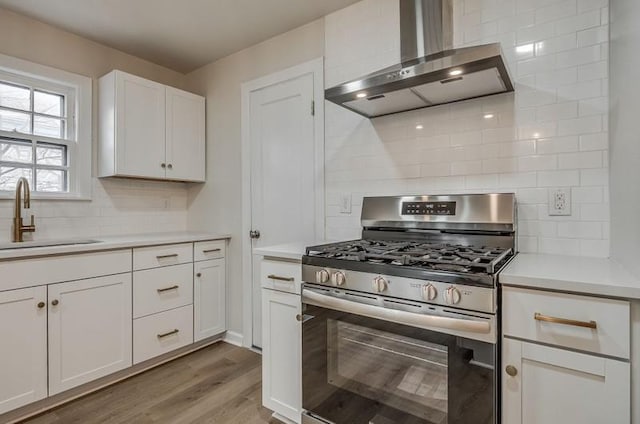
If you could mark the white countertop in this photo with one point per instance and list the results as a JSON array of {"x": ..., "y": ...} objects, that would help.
[
  {"x": 110, "y": 243},
  {"x": 293, "y": 251},
  {"x": 597, "y": 276}
]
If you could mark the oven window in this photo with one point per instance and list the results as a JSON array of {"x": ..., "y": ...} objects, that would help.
[
  {"x": 360, "y": 370},
  {"x": 411, "y": 374}
]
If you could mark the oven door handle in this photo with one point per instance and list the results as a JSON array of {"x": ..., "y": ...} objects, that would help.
[{"x": 401, "y": 317}]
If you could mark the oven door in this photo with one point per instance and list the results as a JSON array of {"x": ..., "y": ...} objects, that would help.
[{"x": 374, "y": 360}]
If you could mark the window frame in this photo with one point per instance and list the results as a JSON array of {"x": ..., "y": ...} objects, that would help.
[{"x": 77, "y": 90}]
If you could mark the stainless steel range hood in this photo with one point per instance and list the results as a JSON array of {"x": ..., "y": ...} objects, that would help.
[{"x": 431, "y": 72}]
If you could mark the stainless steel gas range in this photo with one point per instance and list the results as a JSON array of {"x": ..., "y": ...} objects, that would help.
[{"x": 400, "y": 326}]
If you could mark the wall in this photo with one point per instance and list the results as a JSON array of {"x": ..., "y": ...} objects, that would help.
[
  {"x": 217, "y": 205},
  {"x": 625, "y": 133},
  {"x": 118, "y": 205},
  {"x": 551, "y": 133}
]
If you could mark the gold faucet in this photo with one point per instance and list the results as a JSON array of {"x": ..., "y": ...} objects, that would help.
[{"x": 22, "y": 187}]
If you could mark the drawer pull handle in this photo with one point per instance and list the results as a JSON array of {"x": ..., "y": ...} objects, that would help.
[
  {"x": 277, "y": 277},
  {"x": 555, "y": 320},
  {"x": 211, "y": 250},
  {"x": 173, "y": 255},
  {"x": 169, "y": 333},
  {"x": 166, "y": 289}
]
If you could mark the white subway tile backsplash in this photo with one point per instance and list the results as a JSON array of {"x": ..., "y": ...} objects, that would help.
[
  {"x": 563, "y": 178},
  {"x": 552, "y": 132},
  {"x": 559, "y": 246},
  {"x": 580, "y": 160},
  {"x": 537, "y": 163},
  {"x": 118, "y": 206},
  {"x": 591, "y": 71},
  {"x": 558, "y": 145},
  {"x": 598, "y": 141}
]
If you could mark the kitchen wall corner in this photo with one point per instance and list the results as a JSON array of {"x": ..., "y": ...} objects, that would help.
[{"x": 118, "y": 205}]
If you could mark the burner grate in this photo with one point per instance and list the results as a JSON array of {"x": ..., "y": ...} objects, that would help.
[{"x": 438, "y": 256}]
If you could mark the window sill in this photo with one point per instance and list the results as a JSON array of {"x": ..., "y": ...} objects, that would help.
[{"x": 10, "y": 195}]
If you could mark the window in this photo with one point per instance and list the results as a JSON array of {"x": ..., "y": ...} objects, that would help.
[{"x": 45, "y": 130}]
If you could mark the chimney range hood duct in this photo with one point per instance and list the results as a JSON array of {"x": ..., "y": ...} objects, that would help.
[{"x": 431, "y": 72}]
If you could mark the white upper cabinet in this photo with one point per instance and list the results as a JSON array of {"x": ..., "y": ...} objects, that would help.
[
  {"x": 150, "y": 130},
  {"x": 184, "y": 135}
]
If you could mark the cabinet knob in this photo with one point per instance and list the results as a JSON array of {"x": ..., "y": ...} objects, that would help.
[
  {"x": 54, "y": 302},
  {"x": 41, "y": 305},
  {"x": 170, "y": 166},
  {"x": 511, "y": 370},
  {"x": 163, "y": 165},
  {"x": 199, "y": 275},
  {"x": 299, "y": 317}
]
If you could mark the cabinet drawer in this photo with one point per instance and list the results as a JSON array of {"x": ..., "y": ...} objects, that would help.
[
  {"x": 205, "y": 250},
  {"x": 156, "y": 256},
  {"x": 29, "y": 272},
  {"x": 281, "y": 275},
  {"x": 611, "y": 319},
  {"x": 160, "y": 289},
  {"x": 156, "y": 334}
]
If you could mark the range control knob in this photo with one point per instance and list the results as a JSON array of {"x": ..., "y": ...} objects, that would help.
[
  {"x": 338, "y": 278},
  {"x": 322, "y": 276},
  {"x": 429, "y": 292},
  {"x": 379, "y": 284},
  {"x": 452, "y": 295}
]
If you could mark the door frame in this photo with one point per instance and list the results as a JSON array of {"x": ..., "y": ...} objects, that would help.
[{"x": 316, "y": 68}]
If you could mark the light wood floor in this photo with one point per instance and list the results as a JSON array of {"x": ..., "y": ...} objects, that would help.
[{"x": 218, "y": 384}]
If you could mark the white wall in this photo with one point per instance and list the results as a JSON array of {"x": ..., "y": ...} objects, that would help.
[
  {"x": 625, "y": 133},
  {"x": 551, "y": 133},
  {"x": 118, "y": 205},
  {"x": 217, "y": 206}
]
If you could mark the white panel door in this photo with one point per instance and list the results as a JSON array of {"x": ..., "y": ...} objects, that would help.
[
  {"x": 283, "y": 203},
  {"x": 23, "y": 351},
  {"x": 209, "y": 298},
  {"x": 185, "y": 135},
  {"x": 282, "y": 354},
  {"x": 556, "y": 386},
  {"x": 140, "y": 127},
  {"x": 90, "y": 330}
]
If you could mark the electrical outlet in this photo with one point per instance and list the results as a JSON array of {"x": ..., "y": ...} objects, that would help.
[
  {"x": 559, "y": 201},
  {"x": 345, "y": 203}
]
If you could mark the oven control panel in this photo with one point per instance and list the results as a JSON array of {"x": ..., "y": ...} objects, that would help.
[
  {"x": 429, "y": 208},
  {"x": 481, "y": 299}
]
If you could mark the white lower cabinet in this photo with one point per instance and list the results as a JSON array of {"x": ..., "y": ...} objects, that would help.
[
  {"x": 209, "y": 298},
  {"x": 93, "y": 314},
  {"x": 565, "y": 358},
  {"x": 558, "y": 386},
  {"x": 89, "y": 330},
  {"x": 282, "y": 353},
  {"x": 23, "y": 347}
]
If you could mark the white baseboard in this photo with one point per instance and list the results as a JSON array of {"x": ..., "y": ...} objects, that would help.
[
  {"x": 233, "y": 338},
  {"x": 282, "y": 418}
]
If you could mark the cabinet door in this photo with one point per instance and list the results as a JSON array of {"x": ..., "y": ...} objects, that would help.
[
  {"x": 90, "y": 326},
  {"x": 559, "y": 386},
  {"x": 209, "y": 298},
  {"x": 185, "y": 135},
  {"x": 140, "y": 127},
  {"x": 23, "y": 355},
  {"x": 282, "y": 353}
]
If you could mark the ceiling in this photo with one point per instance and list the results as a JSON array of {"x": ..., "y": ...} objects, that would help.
[{"x": 180, "y": 34}]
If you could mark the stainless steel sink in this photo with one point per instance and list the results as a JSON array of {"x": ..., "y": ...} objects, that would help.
[{"x": 46, "y": 243}]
